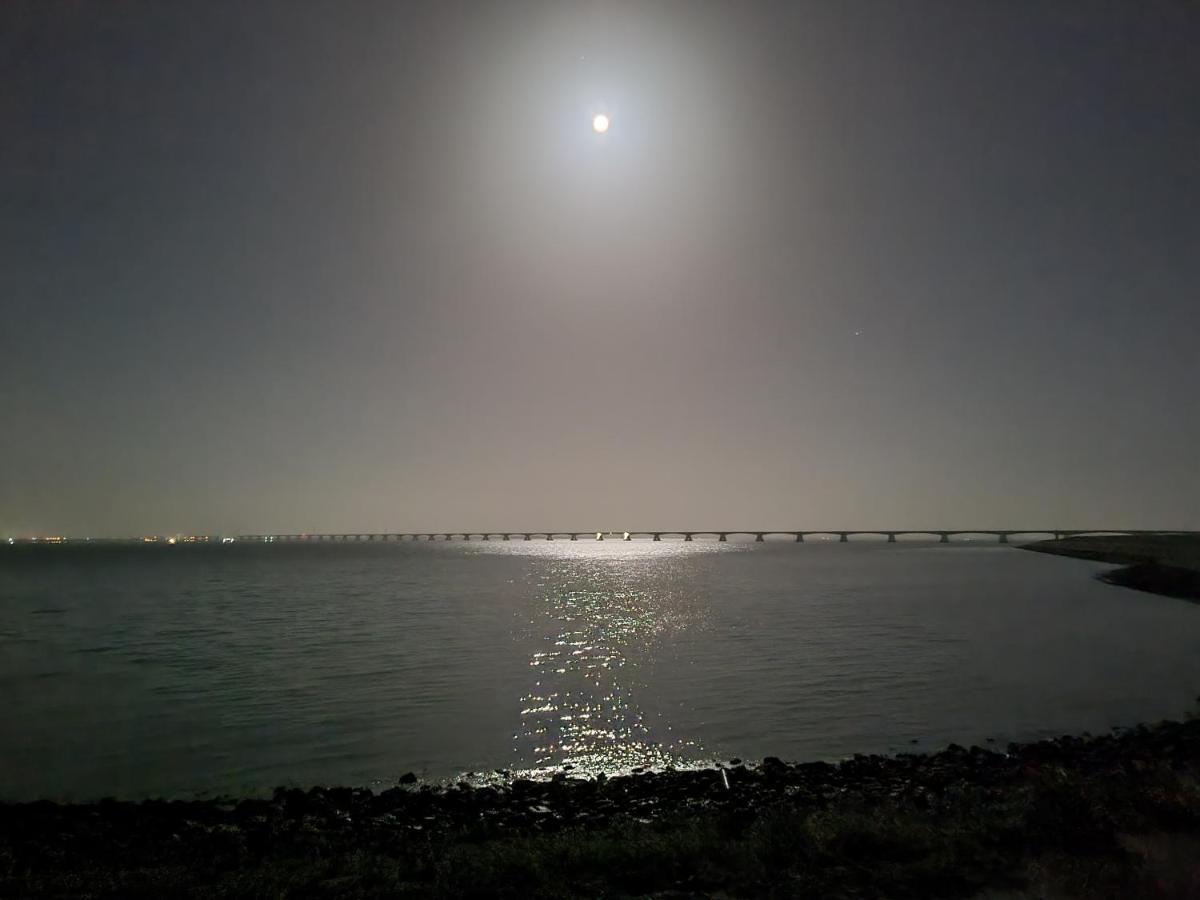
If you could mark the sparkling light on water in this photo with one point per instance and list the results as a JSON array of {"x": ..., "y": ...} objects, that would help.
[{"x": 600, "y": 616}]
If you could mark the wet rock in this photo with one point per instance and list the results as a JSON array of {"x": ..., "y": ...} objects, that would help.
[{"x": 407, "y": 778}]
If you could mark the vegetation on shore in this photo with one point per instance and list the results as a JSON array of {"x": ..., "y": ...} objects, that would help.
[
  {"x": 1159, "y": 563},
  {"x": 1111, "y": 816}
]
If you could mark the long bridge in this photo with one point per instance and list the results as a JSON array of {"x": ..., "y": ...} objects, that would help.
[{"x": 943, "y": 536}]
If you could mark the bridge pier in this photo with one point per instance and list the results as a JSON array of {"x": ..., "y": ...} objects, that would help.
[
  {"x": 722, "y": 537},
  {"x": 891, "y": 537},
  {"x": 658, "y": 536},
  {"x": 549, "y": 537},
  {"x": 1003, "y": 537},
  {"x": 799, "y": 537},
  {"x": 945, "y": 537},
  {"x": 758, "y": 537},
  {"x": 844, "y": 538},
  {"x": 528, "y": 538},
  {"x": 687, "y": 536},
  {"x": 574, "y": 537}
]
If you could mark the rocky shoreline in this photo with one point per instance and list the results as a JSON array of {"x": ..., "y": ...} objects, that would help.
[{"x": 412, "y": 828}]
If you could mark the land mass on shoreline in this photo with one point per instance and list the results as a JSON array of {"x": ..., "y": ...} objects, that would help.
[
  {"x": 1116, "y": 815},
  {"x": 1159, "y": 563}
]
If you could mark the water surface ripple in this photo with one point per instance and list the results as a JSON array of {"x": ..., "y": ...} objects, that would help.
[{"x": 188, "y": 671}]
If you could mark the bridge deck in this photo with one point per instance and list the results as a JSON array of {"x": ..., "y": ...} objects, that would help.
[{"x": 843, "y": 535}]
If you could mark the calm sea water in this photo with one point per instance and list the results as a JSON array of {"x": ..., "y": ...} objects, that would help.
[{"x": 185, "y": 671}]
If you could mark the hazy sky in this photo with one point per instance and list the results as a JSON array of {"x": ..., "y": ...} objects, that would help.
[{"x": 365, "y": 266}]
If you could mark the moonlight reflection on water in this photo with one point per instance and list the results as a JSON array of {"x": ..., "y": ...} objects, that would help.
[
  {"x": 600, "y": 616},
  {"x": 145, "y": 671}
]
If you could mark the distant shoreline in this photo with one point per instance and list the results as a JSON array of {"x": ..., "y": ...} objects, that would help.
[{"x": 1167, "y": 564}]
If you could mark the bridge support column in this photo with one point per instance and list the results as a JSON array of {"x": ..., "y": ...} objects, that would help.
[
  {"x": 799, "y": 537},
  {"x": 528, "y": 538},
  {"x": 1003, "y": 538},
  {"x": 687, "y": 537},
  {"x": 508, "y": 537},
  {"x": 721, "y": 537},
  {"x": 657, "y": 536},
  {"x": 758, "y": 538},
  {"x": 549, "y": 537},
  {"x": 891, "y": 537},
  {"x": 944, "y": 539},
  {"x": 574, "y": 537},
  {"x": 844, "y": 539}
]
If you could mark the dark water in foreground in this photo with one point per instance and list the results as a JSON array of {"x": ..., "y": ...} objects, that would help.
[{"x": 191, "y": 670}]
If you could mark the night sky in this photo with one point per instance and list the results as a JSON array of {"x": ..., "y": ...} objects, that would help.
[{"x": 365, "y": 266}]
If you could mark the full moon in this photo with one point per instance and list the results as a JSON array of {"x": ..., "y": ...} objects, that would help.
[{"x": 600, "y": 123}]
